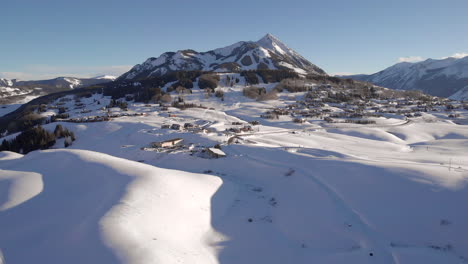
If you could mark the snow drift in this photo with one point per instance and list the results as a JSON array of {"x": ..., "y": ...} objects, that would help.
[{"x": 75, "y": 206}]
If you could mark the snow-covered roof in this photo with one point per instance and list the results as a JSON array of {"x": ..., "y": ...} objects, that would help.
[{"x": 217, "y": 151}]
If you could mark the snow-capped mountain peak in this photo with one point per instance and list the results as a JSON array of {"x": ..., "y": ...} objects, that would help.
[
  {"x": 267, "y": 53},
  {"x": 272, "y": 43}
]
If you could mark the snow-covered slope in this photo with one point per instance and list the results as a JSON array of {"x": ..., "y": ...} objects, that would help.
[
  {"x": 267, "y": 53},
  {"x": 442, "y": 77},
  {"x": 5, "y": 82},
  {"x": 286, "y": 192},
  {"x": 75, "y": 206},
  {"x": 16, "y": 92},
  {"x": 460, "y": 95},
  {"x": 105, "y": 77}
]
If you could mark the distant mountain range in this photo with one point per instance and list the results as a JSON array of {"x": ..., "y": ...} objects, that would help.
[
  {"x": 443, "y": 77},
  {"x": 16, "y": 88},
  {"x": 266, "y": 53},
  {"x": 60, "y": 82}
]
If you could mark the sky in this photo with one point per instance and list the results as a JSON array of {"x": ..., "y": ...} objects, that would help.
[{"x": 42, "y": 39}]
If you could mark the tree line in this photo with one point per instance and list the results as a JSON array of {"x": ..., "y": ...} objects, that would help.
[{"x": 36, "y": 138}]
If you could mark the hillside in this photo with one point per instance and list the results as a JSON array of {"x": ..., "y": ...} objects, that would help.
[
  {"x": 286, "y": 191},
  {"x": 14, "y": 93},
  {"x": 443, "y": 77}
]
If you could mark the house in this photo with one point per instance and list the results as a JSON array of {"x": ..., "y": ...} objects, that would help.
[
  {"x": 175, "y": 126},
  {"x": 299, "y": 120},
  {"x": 246, "y": 129},
  {"x": 215, "y": 153},
  {"x": 189, "y": 125},
  {"x": 167, "y": 143},
  {"x": 234, "y": 130}
]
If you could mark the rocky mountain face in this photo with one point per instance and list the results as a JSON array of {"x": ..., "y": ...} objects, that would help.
[
  {"x": 266, "y": 53},
  {"x": 444, "y": 77}
]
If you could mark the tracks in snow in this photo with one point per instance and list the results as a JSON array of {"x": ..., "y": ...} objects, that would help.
[{"x": 370, "y": 241}]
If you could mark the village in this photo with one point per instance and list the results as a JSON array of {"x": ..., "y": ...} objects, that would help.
[
  {"x": 322, "y": 103},
  {"x": 319, "y": 106}
]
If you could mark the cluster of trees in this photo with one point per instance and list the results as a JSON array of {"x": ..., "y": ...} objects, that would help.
[
  {"x": 59, "y": 116},
  {"x": 267, "y": 75},
  {"x": 271, "y": 76},
  {"x": 21, "y": 122},
  {"x": 259, "y": 93},
  {"x": 146, "y": 94},
  {"x": 208, "y": 81},
  {"x": 117, "y": 103},
  {"x": 253, "y": 92},
  {"x": 182, "y": 105},
  {"x": 360, "y": 121},
  {"x": 37, "y": 138},
  {"x": 184, "y": 79},
  {"x": 293, "y": 85},
  {"x": 250, "y": 77}
]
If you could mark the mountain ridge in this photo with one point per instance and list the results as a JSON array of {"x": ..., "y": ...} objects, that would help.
[
  {"x": 439, "y": 77},
  {"x": 15, "y": 90}
]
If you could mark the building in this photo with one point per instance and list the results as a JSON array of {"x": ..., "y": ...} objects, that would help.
[
  {"x": 167, "y": 143},
  {"x": 189, "y": 125},
  {"x": 215, "y": 153},
  {"x": 175, "y": 126}
]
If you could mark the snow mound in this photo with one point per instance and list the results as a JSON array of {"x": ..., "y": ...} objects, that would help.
[{"x": 86, "y": 207}]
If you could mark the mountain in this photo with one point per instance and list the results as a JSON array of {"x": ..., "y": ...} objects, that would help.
[
  {"x": 267, "y": 53},
  {"x": 443, "y": 77},
  {"x": 460, "y": 95},
  {"x": 5, "y": 82},
  {"x": 15, "y": 91},
  {"x": 67, "y": 82}
]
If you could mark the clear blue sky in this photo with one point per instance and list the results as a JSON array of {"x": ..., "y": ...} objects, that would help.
[{"x": 40, "y": 39}]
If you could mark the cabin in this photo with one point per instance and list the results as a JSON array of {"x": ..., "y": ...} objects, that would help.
[
  {"x": 167, "y": 143},
  {"x": 215, "y": 153}
]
